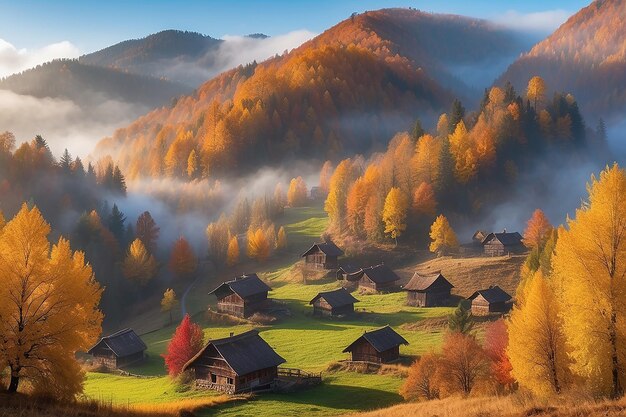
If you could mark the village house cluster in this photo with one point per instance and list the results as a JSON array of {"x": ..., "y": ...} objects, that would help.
[{"x": 246, "y": 363}]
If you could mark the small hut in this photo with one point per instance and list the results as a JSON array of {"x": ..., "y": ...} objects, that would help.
[
  {"x": 242, "y": 363},
  {"x": 428, "y": 290},
  {"x": 118, "y": 350},
  {"x": 379, "y": 277},
  {"x": 322, "y": 255},
  {"x": 492, "y": 300},
  {"x": 333, "y": 303},
  {"x": 378, "y": 346},
  {"x": 242, "y": 297},
  {"x": 499, "y": 244},
  {"x": 349, "y": 273}
]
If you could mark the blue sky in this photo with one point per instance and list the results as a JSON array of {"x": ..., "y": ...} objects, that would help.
[{"x": 90, "y": 25}]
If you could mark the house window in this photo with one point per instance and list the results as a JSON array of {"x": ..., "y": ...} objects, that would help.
[
  {"x": 230, "y": 381},
  {"x": 213, "y": 378}
]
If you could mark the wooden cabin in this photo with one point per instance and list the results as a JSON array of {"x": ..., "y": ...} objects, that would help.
[
  {"x": 378, "y": 346},
  {"x": 492, "y": 300},
  {"x": 378, "y": 278},
  {"x": 242, "y": 297},
  {"x": 235, "y": 364},
  {"x": 349, "y": 273},
  {"x": 338, "y": 302},
  {"x": 428, "y": 290},
  {"x": 118, "y": 350},
  {"x": 499, "y": 244},
  {"x": 323, "y": 255}
]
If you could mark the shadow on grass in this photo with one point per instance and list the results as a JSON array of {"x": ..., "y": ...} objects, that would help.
[{"x": 327, "y": 395}]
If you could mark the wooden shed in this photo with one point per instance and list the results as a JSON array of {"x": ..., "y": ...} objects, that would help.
[
  {"x": 378, "y": 346},
  {"x": 349, "y": 273},
  {"x": 499, "y": 244},
  {"x": 241, "y": 363},
  {"x": 378, "y": 277},
  {"x": 492, "y": 300},
  {"x": 428, "y": 290},
  {"x": 323, "y": 255},
  {"x": 120, "y": 349},
  {"x": 338, "y": 302},
  {"x": 242, "y": 297}
]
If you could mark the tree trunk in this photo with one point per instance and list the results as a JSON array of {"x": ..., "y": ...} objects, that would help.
[
  {"x": 617, "y": 388},
  {"x": 15, "y": 381}
]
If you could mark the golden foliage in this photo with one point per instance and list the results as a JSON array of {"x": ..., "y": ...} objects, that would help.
[
  {"x": 232, "y": 256},
  {"x": 183, "y": 261},
  {"x": 139, "y": 265},
  {"x": 537, "y": 230},
  {"x": 49, "y": 309},
  {"x": 443, "y": 238},
  {"x": 423, "y": 380},
  {"x": 297, "y": 194},
  {"x": 335, "y": 204},
  {"x": 281, "y": 239},
  {"x": 424, "y": 202},
  {"x": 258, "y": 245},
  {"x": 169, "y": 301},
  {"x": 536, "y": 90},
  {"x": 395, "y": 211}
]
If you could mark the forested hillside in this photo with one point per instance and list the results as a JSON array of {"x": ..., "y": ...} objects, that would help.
[{"x": 586, "y": 55}]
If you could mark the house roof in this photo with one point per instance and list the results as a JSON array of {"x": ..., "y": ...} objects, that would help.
[
  {"x": 329, "y": 248},
  {"x": 507, "y": 239},
  {"x": 493, "y": 294},
  {"x": 381, "y": 339},
  {"x": 421, "y": 282},
  {"x": 123, "y": 343},
  {"x": 380, "y": 274},
  {"x": 245, "y": 286},
  {"x": 479, "y": 235},
  {"x": 336, "y": 298},
  {"x": 244, "y": 353}
]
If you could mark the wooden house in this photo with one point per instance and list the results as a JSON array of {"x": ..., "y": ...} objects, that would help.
[
  {"x": 428, "y": 290},
  {"x": 241, "y": 363},
  {"x": 242, "y": 297},
  {"x": 118, "y": 350},
  {"x": 349, "y": 273},
  {"x": 323, "y": 255},
  {"x": 379, "y": 277},
  {"x": 499, "y": 244},
  {"x": 378, "y": 346},
  {"x": 338, "y": 302},
  {"x": 492, "y": 300},
  {"x": 478, "y": 237}
]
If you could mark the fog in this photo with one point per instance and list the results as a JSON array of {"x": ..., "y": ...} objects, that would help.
[
  {"x": 14, "y": 60},
  {"x": 62, "y": 122},
  {"x": 544, "y": 22}
]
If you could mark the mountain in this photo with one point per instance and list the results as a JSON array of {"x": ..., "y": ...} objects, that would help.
[
  {"x": 171, "y": 54},
  {"x": 586, "y": 55},
  {"x": 349, "y": 89}
]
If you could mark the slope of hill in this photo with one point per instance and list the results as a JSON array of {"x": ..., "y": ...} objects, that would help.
[
  {"x": 586, "y": 55},
  {"x": 349, "y": 89},
  {"x": 171, "y": 53}
]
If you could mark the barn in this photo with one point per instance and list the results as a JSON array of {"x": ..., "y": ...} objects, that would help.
[
  {"x": 242, "y": 297},
  {"x": 323, "y": 255},
  {"x": 379, "y": 277},
  {"x": 499, "y": 244},
  {"x": 378, "y": 346},
  {"x": 492, "y": 300},
  {"x": 338, "y": 302},
  {"x": 428, "y": 290},
  {"x": 120, "y": 349},
  {"x": 235, "y": 364}
]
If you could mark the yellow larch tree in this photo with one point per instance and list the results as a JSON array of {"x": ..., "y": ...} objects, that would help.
[
  {"x": 139, "y": 265},
  {"x": 297, "y": 192},
  {"x": 2, "y": 220},
  {"x": 537, "y": 231},
  {"x": 335, "y": 204},
  {"x": 49, "y": 309},
  {"x": 443, "y": 238},
  {"x": 193, "y": 165},
  {"x": 424, "y": 202},
  {"x": 232, "y": 255},
  {"x": 536, "y": 90},
  {"x": 258, "y": 245},
  {"x": 589, "y": 266},
  {"x": 394, "y": 214},
  {"x": 537, "y": 345},
  {"x": 325, "y": 174},
  {"x": 281, "y": 238},
  {"x": 169, "y": 302},
  {"x": 355, "y": 206}
]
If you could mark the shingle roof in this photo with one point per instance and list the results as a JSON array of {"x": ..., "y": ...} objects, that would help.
[
  {"x": 336, "y": 298},
  {"x": 381, "y": 339},
  {"x": 329, "y": 248},
  {"x": 122, "y": 343},
  {"x": 492, "y": 294},
  {"x": 507, "y": 239},
  {"x": 246, "y": 352},
  {"x": 380, "y": 274},
  {"x": 245, "y": 286},
  {"x": 421, "y": 282}
]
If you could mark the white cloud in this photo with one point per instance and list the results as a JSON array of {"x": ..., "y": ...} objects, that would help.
[
  {"x": 545, "y": 21},
  {"x": 14, "y": 60}
]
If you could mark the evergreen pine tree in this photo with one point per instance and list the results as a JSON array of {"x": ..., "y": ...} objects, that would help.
[
  {"x": 118, "y": 181},
  {"x": 66, "y": 162},
  {"x": 457, "y": 113},
  {"x": 461, "y": 320},
  {"x": 418, "y": 130},
  {"x": 116, "y": 223}
]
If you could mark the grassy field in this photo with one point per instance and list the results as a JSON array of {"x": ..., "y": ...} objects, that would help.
[{"x": 306, "y": 342}]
